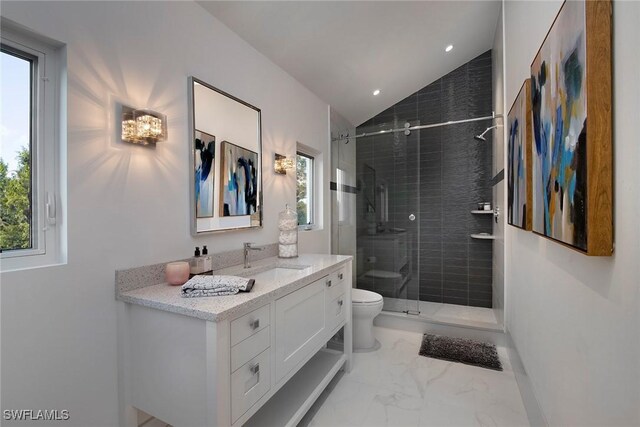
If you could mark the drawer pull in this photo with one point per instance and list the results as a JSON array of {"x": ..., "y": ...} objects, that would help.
[
  {"x": 340, "y": 302},
  {"x": 255, "y": 368},
  {"x": 340, "y": 275},
  {"x": 328, "y": 283},
  {"x": 255, "y": 324}
]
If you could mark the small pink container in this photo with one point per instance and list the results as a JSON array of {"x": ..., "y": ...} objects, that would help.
[{"x": 177, "y": 273}]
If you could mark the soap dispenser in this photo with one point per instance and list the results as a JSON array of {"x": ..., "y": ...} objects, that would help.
[
  {"x": 208, "y": 261},
  {"x": 197, "y": 262}
]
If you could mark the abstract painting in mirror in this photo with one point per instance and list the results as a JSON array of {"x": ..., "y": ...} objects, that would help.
[
  {"x": 226, "y": 154},
  {"x": 204, "y": 162},
  {"x": 239, "y": 182}
]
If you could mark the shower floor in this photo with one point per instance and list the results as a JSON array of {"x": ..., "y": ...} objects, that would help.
[{"x": 446, "y": 313}]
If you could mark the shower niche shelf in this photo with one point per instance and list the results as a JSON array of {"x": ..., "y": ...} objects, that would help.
[
  {"x": 483, "y": 236},
  {"x": 481, "y": 212}
]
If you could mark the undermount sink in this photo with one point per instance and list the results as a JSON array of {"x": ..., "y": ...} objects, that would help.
[
  {"x": 287, "y": 266},
  {"x": 275, "y": 273},
  {"x": 272, "y": 271}
]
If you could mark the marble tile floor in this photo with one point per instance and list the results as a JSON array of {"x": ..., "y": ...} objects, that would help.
[
  {"x": 394, "y": 386},
  {"x": 450, "y": 313}
]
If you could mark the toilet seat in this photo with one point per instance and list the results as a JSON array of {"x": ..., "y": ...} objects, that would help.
[
  {"x": 382, "y": 274},
  {"x": 362, "y": 297}
]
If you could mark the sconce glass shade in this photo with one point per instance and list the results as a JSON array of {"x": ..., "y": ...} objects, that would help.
[
  {"x": 148, "y": 125},
  {"x": 282, "y": 164},
  {"x": 142, "y": 126},
  {"x": 128, "y": 126}
]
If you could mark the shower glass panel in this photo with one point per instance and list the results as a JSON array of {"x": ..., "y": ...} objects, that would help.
[
  {"x": 387, "y": 213},
  {"x": 343, "y": 188},
  {"x": 416, "y": 196}
]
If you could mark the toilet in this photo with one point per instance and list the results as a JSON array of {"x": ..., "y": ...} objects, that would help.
[
  {"x": 366, "y": 306},
  {"x": 385, "y": 283}
]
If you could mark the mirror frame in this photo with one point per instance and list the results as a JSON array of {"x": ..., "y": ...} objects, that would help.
[
  {"x": 192, "y": 129},
  {"x": 368, "y": 169}
]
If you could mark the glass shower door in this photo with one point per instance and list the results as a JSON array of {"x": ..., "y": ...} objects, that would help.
[{"x": 387, "y": 213}]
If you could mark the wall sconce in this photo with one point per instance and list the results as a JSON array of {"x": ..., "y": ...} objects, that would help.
[
  {"x": 143, "y": 126},
  {"x": 282, "y": 164}
]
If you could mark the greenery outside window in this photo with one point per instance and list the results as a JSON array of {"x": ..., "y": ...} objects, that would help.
[
  {"x": 304, "y": 189},
  {"x": 18, "y": 69}
]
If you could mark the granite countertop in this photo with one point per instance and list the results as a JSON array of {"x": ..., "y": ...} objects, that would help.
[{"x": 270, "y": 283}]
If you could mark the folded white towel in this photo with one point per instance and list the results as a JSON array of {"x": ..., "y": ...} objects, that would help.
[{"x": 210, "y": 286}]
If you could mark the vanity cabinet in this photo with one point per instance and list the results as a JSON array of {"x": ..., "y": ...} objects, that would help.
[{"x": 265, "y": 365}]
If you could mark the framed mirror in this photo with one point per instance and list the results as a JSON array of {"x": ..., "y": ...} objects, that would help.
[{"x": 225, "y": 145}]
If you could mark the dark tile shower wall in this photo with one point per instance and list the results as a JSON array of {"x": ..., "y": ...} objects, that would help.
[{"x": 454, "y": 173}]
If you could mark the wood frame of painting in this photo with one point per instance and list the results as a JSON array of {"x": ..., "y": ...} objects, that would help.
[
  {"x": 599, "y": 146},
  {"x": 525, "y": 91}
]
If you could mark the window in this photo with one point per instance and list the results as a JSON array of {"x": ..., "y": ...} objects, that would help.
[
  {"x": 29, "y": 152},
  {"x": 16, "y": 204},
  {"x": 304, "y": 189}
]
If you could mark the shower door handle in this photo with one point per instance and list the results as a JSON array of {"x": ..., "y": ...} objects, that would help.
[{"x": 412, "y": 217}]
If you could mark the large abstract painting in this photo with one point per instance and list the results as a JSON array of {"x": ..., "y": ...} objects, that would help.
[
  {"x": 519, "y": 193},
  {"x": 239, "y": 183},
  {"x": 571, "y": 129},
  {"x": 204, "y": 168}
]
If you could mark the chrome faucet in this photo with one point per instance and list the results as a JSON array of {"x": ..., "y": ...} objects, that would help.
[{"x": 247, "y": 248}]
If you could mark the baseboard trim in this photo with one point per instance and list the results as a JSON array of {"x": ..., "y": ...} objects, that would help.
[{"x": 531, "y": 405}]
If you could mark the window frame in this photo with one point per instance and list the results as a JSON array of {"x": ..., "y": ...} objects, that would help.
[
  {"x": 311, "y": 190},
  {"x": 45, "y": 153}
]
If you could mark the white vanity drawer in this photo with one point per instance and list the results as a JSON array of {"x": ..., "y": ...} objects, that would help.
[
  {"x": 335, "y": 284},
  {"x": 246, "y": 350},
  {"x": 249, "y": 384},
  {"x": 249, "y": 324},
  {"x": 336, "y": 312}
]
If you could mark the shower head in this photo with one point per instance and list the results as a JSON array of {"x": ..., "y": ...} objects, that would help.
[{"x": 481, "y": 136}]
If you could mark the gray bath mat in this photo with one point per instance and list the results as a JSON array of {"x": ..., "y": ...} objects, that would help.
[{"x": 461, "y": 350}]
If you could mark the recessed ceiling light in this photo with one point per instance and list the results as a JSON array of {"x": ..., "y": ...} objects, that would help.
[
  {"x": 448, "y": 48},
  {"x": 376, "y": 92}
]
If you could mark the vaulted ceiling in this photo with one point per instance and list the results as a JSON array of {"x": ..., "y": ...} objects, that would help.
[{"x": 344, "y": 50}]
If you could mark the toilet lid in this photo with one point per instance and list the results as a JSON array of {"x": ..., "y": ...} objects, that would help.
[{"x": 361, "y": 296}]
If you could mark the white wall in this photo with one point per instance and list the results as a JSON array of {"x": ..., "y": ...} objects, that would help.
[
  {"x": 128, "y": 205},
  {"x": 575, "y": 320},
  {"x": 497, "y": 69}
]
